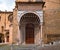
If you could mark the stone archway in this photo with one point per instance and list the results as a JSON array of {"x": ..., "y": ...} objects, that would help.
[{"x": 29, "y": 22}]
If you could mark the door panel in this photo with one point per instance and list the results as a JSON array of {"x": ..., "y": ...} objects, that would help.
[{"x": 29, "y": 34}]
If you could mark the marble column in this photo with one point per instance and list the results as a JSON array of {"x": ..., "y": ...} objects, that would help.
[{"x": 41, "y": 37}]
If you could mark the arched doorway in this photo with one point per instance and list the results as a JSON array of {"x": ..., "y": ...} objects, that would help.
[
  {"x": 7, "y": 36},
  {"x": 29, "y": 22},
  {"x": 29, "y": 38},
  {"x": 1, "y": 38}
]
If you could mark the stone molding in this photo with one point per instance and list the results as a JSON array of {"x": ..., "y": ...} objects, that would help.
[{"x": 38, "y": 13}]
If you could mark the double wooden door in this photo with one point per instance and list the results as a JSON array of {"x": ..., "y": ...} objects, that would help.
[{"x": 29, "y": 38}]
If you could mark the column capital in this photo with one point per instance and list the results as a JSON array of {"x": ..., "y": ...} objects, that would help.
[{"x": 41, "y": 23}]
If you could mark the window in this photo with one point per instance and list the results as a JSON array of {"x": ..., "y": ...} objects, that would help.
[
  {"x": 2, "y": 27},
  {"x": 0, "y": 18},
  {"x": 1, "y": 38},
  {"x": 10, "y": 18},
  {"x": 7, "y": 36}
]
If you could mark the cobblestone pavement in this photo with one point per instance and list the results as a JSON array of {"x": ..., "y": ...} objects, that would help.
[
  {"x": 31, "y": 47},
  {"x": 51, "y": 47}
]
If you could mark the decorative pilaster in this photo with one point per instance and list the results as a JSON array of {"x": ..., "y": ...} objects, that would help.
[
  {"x": 19, "y": 34},
  {"x": 10, "y": 34},
  {"x": 5, "y": 37},
  {"x": 41, "y": 24}
]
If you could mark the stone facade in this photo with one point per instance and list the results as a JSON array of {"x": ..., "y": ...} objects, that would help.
[
  {"x": 5, "y": 24},
  {"x": 24, "y": 8},
  {"x": 47, "y": 29},
  {"x": 52, "y": 20}
]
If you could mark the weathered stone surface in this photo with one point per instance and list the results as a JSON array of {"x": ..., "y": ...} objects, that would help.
[{"x": 52, "y": 20}]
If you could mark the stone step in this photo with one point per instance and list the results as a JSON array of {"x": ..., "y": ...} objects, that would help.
[
  {"x": 23, "y": 47},
  {"x": 30, "y": 47}
]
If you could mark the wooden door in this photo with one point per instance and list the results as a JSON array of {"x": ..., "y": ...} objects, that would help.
[{"x": 29, "y": 34}]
